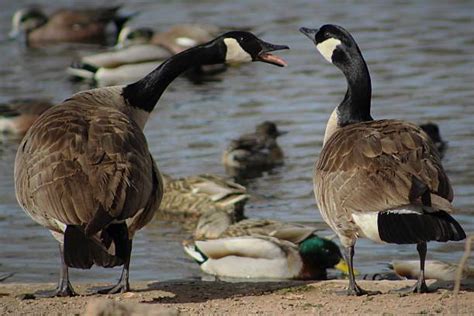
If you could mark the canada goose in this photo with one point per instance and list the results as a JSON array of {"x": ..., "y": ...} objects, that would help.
[
  {"x": 258, "y": 256},
  {"x": 16, "y": 116},
  {"x": 255, "y": 150},
  {"x": 316, "y": 253},
  {"x": 380, "y": 179},
  {"x": 432, "y": 130},
  {"x": 189, "y": 197},
  {"x": 84, "y": 170},
  {"x": 65, "y": 25}
]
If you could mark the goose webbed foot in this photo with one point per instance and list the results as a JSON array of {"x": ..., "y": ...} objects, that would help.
[
  {"x": 419, "y": 287},
  {"x": 356, "y": 290},
  {"x": 64, "y": 289},
  {"x": 120, "y": 287}
]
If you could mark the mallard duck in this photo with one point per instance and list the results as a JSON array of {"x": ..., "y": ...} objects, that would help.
[
  {"x": 189, "y": 197},
  {"x": 434, "y": 269},
  {"x": 432, "y": 130},
  {"x": 84, "y": 170},
  {"x": 256, "y": 150},
  {"x": 65, "y": 25},
  {"x": 306, "y": 254},
  {"x": 265, "y": 257},
  {"x": 16, "y": 116},
  {"x": 379, "y": 179}
]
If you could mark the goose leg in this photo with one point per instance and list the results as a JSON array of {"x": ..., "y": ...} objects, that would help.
[
  {"x": 354, "y": 289},
  {"x": 123, "y": 285},
  {"x": 420, "y": 286}
]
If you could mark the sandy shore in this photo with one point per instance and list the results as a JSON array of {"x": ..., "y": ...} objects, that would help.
[{"x": 267, "y": 298}]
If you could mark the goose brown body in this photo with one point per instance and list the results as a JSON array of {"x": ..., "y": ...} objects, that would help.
[
  {"x": 80, "y": 162},
  {"x": 370, "y": 167}
]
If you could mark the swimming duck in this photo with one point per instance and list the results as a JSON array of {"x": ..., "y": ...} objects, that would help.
[
  {"x": 65, "y": 25},
  {"x": 189, "y": 197},
  {"x": 432, "y": 130},
  {"x": 379, "y": 179},
  {"x": 255, "y": 150},
  {"x": 16, "y": 116},
  {"x": 434, "y": 269},
  {"x": 298, "y": 251},
  {"x": 84, "y": 170}
]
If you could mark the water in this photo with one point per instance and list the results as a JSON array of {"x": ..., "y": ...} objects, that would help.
[{"x": 421, "y": 62}]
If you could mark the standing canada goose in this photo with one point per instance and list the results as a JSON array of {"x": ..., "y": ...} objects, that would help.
[
  {"x": 188, "y": 198},
  {"x": 432, "y": 130},
  {"x": 65, "y": 25},
  {"x": 84, "y": 170},
  {"x": 255, "y": 150},
  {"x": 261, "y": 248},
  {"x": 16, "y": 116},
  {"x": 379, "y": 179}
]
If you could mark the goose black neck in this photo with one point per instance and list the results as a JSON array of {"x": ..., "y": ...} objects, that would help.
[
  {"x": 355, "y": 107},
  {"x": 146, "y": 92}
]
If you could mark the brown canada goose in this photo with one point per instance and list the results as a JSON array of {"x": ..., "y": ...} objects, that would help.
[
  {"x": 84, "y": 171},
  {"x": 187, "y": 198},
  {"x": 65, "y": 25},
  {"x": 255, "y": 150},
  {"x": 16, "y": 116},
  {"x": 379, "y": 179}
]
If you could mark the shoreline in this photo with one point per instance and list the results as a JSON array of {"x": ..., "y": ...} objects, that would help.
[{"x": 268, "y": 298}]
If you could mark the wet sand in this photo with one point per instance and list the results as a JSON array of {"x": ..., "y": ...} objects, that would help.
[{"x": 243, "y": 298}]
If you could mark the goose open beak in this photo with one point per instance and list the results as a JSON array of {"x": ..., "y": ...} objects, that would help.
[
  {"x": 266, "y": 57},
  {"x": 310, "y": 33},
  {"x": 344, "y": 268}
]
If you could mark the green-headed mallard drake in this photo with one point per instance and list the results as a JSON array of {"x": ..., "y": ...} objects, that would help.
[
  {"x": 434, "y": 269},
  {"x": 379, "y": 179},
  {"x": 298, "y": 252},
  {"x": 256, "y": 150},
  {"x": 65, "y": 25},
  {"x": 84, "y": 170},
  {"x": 16, "y": 116},
  {"x": 189, "y": 197}
]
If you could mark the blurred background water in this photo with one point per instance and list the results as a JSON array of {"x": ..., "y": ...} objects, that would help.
[{"x": 420, "y": 54}]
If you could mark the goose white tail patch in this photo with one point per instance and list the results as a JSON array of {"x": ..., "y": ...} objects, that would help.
[
  {"x": 235, "y": 53},
  {"x": 327, "y": 48},
  {"x": 367, "y": 224}
]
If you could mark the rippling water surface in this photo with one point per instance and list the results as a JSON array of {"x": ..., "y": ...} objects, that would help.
[{"x": 420, "y": 55}]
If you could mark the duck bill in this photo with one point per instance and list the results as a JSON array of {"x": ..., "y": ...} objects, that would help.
[
  {"x": 266, "y": 56},
  {"x": 344, "y": 268},
  {"x": 310, "y": 33}
]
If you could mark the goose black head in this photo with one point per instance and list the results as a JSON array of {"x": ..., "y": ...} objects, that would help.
[
  {"x": 245, "y": 47},
  {"x": 333, "y": 42},
  {"x": 26, "y": 20},
  {"x": 270, "y": 129}
]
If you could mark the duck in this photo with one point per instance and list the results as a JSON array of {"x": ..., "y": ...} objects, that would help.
[
  {"x": 432, "y": 129},
  {"x": 377, "y": 179},
  {"x": 257, "y": 150},
  {"x": 228, "y": 248},
  {"x": 187, "y": 198},
  {"x": 84, "y": 170},
  {"x": 434, "y": 269},
  {"x": 137, "y": 51},
  {"x": 65, "y": 25},
  {"x": 17, "y": 115}
]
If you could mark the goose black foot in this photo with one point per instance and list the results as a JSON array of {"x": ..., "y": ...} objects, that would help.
[
  {"x": 120, "y": 287},
  {"x": 63, "y": 290},
  {"x": 417, "y": 288},
  {"x": 358, "y": 291}
]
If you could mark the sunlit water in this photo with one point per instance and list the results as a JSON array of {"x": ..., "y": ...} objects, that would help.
[{"x": 420, "y": 55}]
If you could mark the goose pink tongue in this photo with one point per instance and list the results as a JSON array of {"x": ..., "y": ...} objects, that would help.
[{"x": 273, "y": 59}]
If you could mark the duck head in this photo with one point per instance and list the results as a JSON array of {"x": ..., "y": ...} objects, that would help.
[
  {"x": 241, "y": 46},
  {"x": 27, "y": 20},
  {"x": 269, "y": 129},
  {"x": 129, "y": 36},
  {"x": 335, "y": 44},
  {"x": 320, "y": 253}
]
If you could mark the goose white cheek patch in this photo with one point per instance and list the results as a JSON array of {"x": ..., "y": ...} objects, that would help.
[
  {"x": 327, "y": 47},
  {"x": 235, "y": 53}
]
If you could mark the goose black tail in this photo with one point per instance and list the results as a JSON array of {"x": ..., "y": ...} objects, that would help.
[
  {"x": 82, "y": 252},
  {"x": 413, "y": 228}
]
